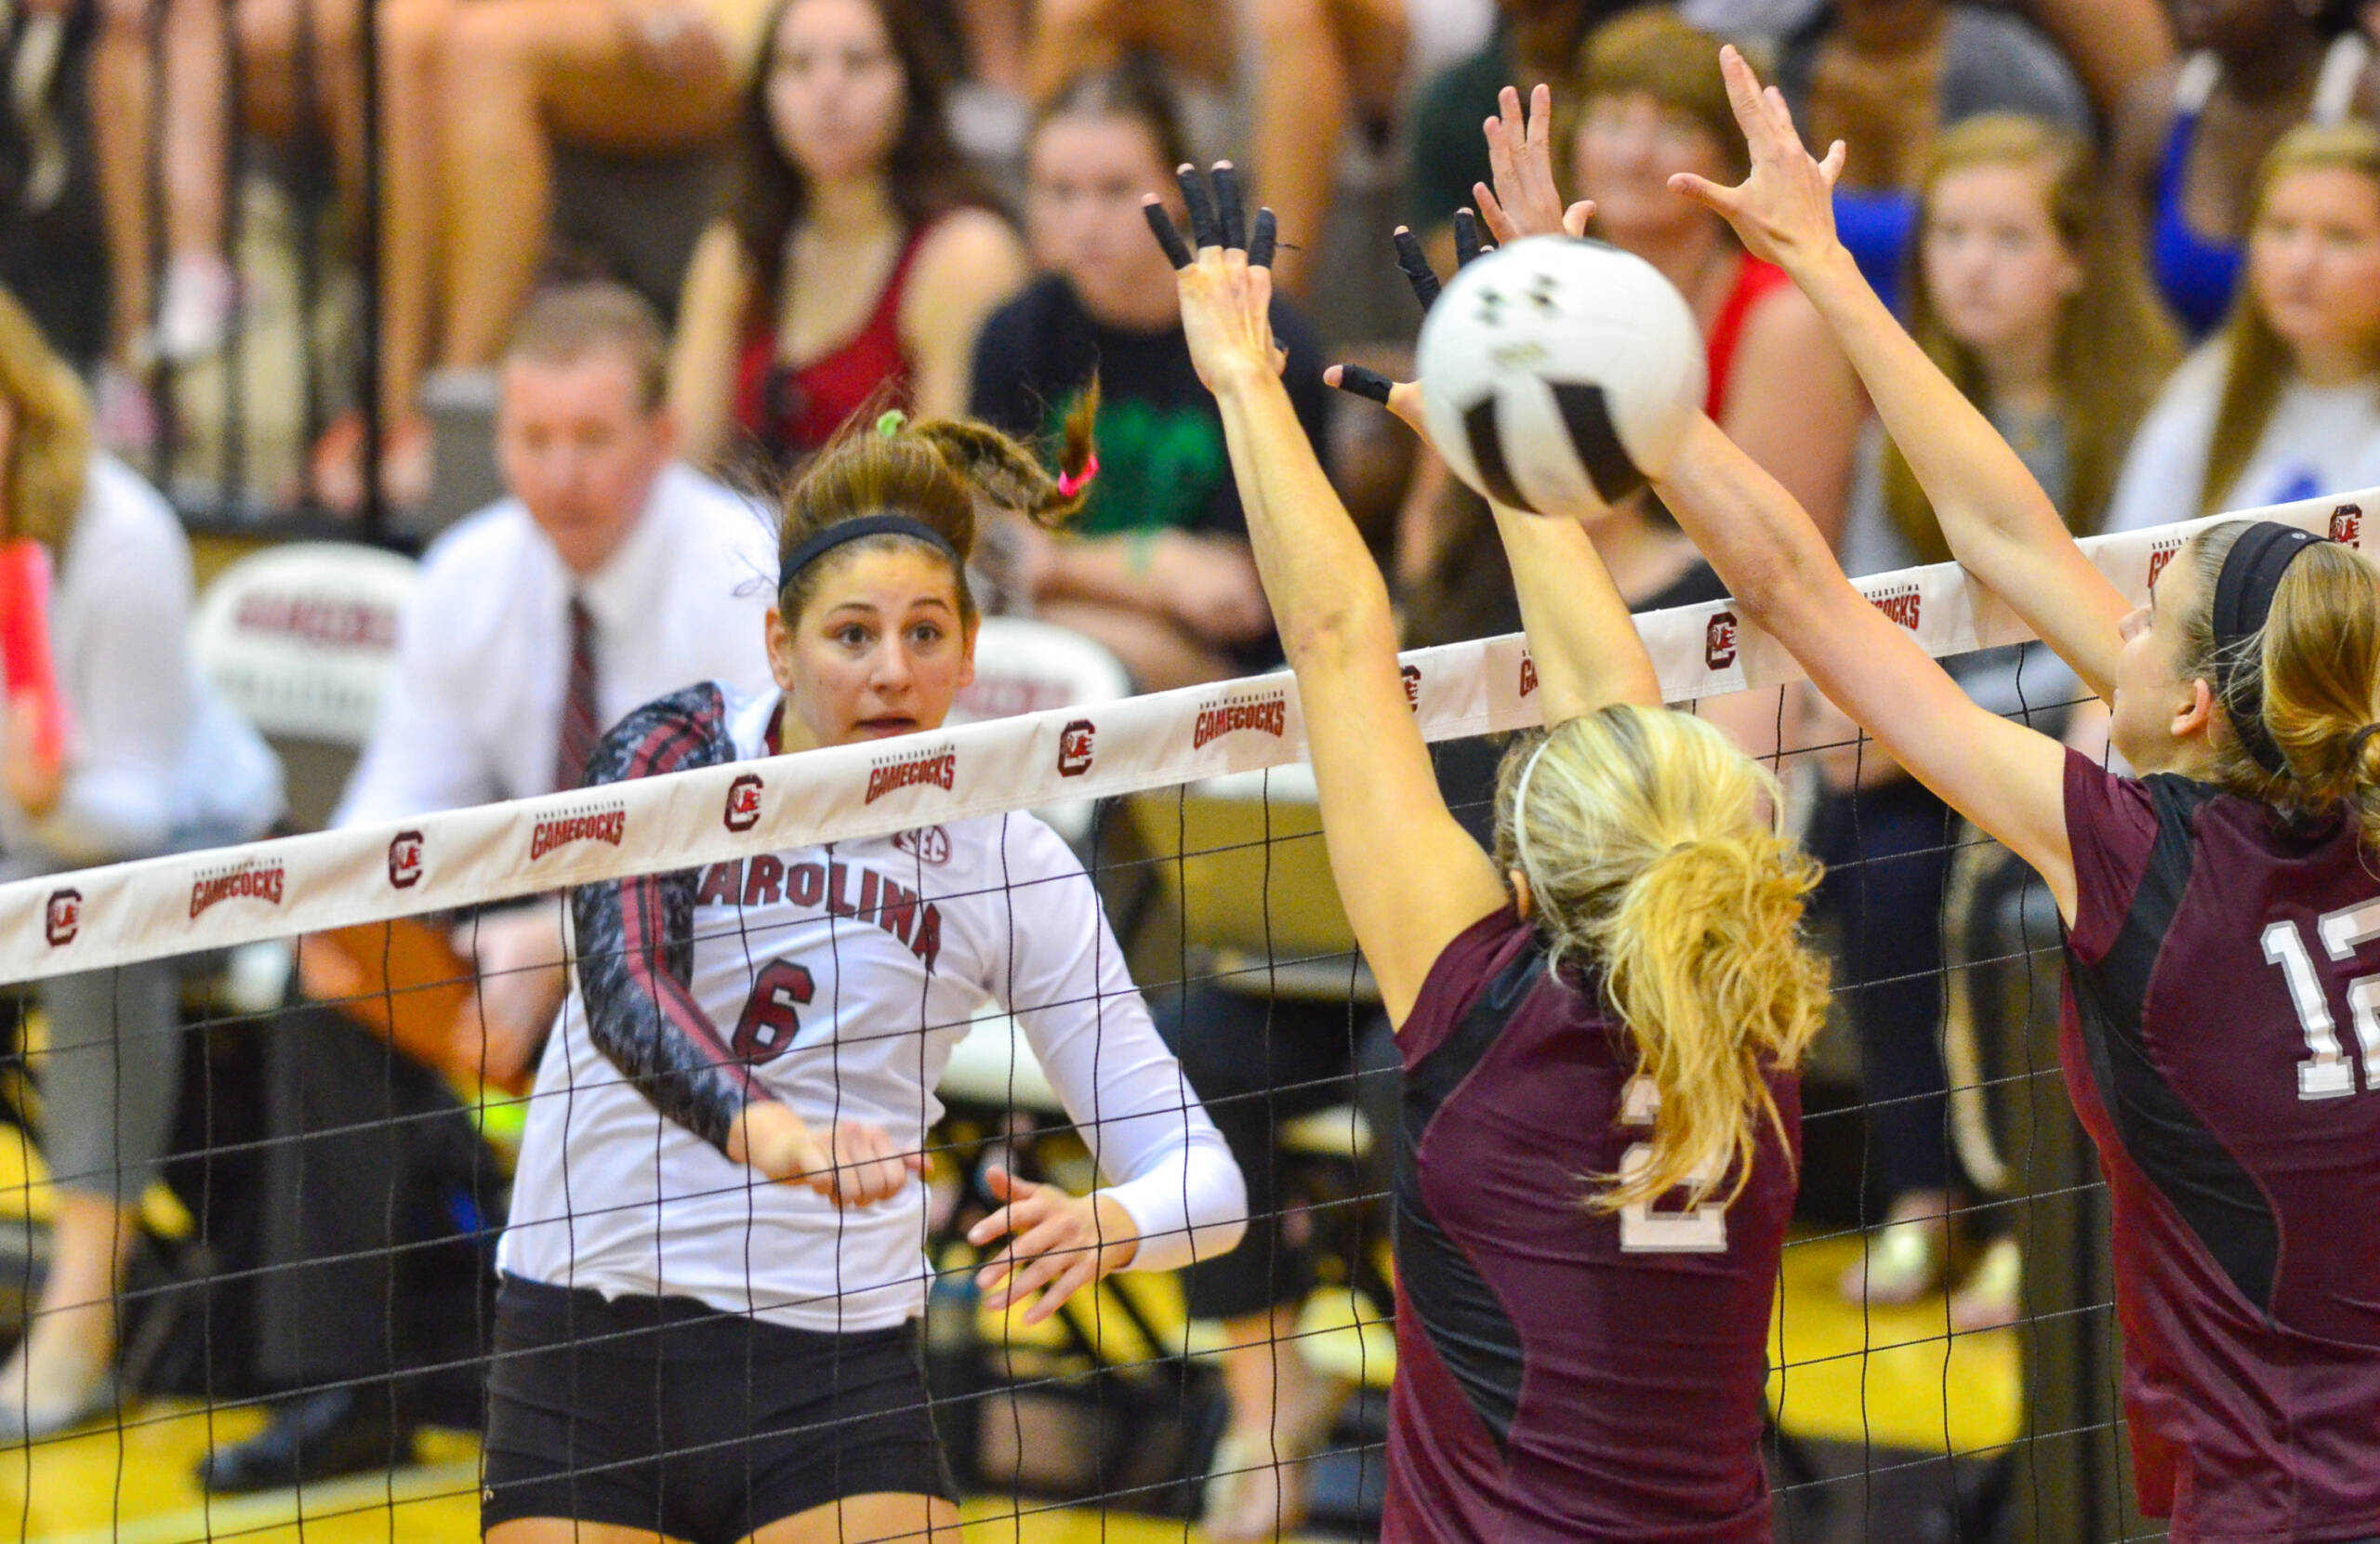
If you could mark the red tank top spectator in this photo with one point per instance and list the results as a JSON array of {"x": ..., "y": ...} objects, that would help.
[
  {"x": 859, "y": 250},
  {"x": 788, "y": 410},
  {"x": 1753, "y": 282}
]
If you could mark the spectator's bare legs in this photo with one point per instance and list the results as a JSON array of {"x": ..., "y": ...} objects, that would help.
[
  {"x": 72, "y": 1339},
  {"x": 642, "y": 79},
  {"x": 1070, "y": 36},
  {"x": 1319, "y": 62},
  {"x": 996, "y": 32},
  {"x": 1281, "y": 1412},
  {"x": 412, "y": 95},
  {"x": 192, "y": 147}
]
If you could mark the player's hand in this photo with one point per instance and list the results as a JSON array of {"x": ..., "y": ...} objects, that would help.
[
  {"x": 853, "y": 1163},
  {"x": 34, "y": 782},
  {"x": 1227, "y": 284},
  {"x": 1058, "y": 1243},
  {"x": 1520, "y": 155},
  {"x": 1210, "y": 585},
  {"x": 1784, "y": 210}
]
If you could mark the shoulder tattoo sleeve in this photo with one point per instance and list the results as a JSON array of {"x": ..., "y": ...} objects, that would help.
[{"x": 635, "y": 936}]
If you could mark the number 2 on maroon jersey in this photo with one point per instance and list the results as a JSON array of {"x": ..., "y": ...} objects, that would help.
[
  {"x": 770, "y": 1020},
  {"x": 2327, "y": 1072},
  {"x": 1700, "y": 1229}
]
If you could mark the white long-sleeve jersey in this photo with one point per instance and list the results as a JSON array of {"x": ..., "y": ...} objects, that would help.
[{"x": 839, "y": 980}]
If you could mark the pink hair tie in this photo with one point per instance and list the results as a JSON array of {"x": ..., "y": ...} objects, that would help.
[{"x": 1071, "y": 484}]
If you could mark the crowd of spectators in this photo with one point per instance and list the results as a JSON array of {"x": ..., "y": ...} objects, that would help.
[{"x": 2143, "y": 236}]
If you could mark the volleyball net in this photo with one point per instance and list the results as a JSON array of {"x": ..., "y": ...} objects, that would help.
[{"x": 372, "y": 1180}]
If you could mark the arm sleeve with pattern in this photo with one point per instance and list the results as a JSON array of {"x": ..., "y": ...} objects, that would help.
[
  {"x": 1165, "y": 1163},
  {"x": 635, "y": 937}
]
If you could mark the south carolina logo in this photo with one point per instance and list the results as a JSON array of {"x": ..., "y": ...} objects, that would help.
[
  {"x": 1719, "y": 640},
  {"x": 2163, "y": 553},
  {"x": 63, "y": 919},
  {"x": 743, "y": 810},
  {"x": 927, "y": 844},
  {"x": 1074, "y": 748},
  {"x": 405, "y": 860},
  {"x": 1528, "y": 674},
  {"x": 1412, "y": 674},
  {"x": 2346, "y": 524}
]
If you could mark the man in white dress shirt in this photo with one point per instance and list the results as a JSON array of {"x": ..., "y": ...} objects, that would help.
[{"x": 612, "y": 575}]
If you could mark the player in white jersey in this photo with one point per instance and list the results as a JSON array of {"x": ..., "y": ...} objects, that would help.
[{"x": 684, "y": 1347}]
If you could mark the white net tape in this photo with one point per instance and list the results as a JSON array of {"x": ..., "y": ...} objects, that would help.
[{"x": 178, "y": 904}]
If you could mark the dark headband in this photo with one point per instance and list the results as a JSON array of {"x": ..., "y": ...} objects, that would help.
[
  {"x": 2243, "y": 592},
  {"x": 819, "y": 543}
]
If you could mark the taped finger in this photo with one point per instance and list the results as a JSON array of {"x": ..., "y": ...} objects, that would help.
[
  {"x": 1416, "y": 265},
  {"x": 1206, "y": 230},
  {"x": 1161, "y": 227},
  {"x": 1466, "y": 237},
  {"x": 1229, "y": 206},
  {"x": 1357, "y": 381},
  {"x": 1263, "y": 239}
]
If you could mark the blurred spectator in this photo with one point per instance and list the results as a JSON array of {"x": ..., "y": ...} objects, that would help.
[
  {"x": 860, "y": 253},
  {"x": 1157, "y": 567},
  {"x": 2190, "y": 138},
  {"x": 1651, "y": 102},
  {"x": 1886, "y": 77},
  {"x": 162, "y": 96},
  {"x": 475, "y": 98},
  {"x": 2048, "y": 328},
  {"x": 1315, "y": 68},
  {"x": 2113, "y": 45},
  {"x": 611, "y": 575},
  {"x": 153, "y": 762},
  {"x": 2283, "y": 403}
]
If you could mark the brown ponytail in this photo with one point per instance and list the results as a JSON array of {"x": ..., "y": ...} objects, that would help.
[
  {"x": 2318, "y": 661},
  {"x": 933, "y": 471}
]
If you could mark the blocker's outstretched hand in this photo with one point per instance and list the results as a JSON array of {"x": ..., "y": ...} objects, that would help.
[
  {"x": 1784, "y": 210},
  {"x": 1520, "y": 154},
  {"x": 1227, "y": 284},
  {"x": 1058, "y": 1243}
]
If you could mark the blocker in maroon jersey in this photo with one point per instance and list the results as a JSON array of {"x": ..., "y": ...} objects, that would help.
[
  {"x": 2222, "y": 1043},
  {"x": 1565, "y": 1373}
]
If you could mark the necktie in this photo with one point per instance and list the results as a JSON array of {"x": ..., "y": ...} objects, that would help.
[{"x": 581, "y": 723}]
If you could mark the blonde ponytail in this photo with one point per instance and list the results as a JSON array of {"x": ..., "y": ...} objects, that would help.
[
  {"x": 1652, "y": 863},
  {"x": 2316, "y": 668}
]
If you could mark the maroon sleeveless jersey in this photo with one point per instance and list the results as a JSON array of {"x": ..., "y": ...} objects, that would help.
[
  {"x": 1565, "y": 1373},
  {"x": 2222, "y": 1044}
]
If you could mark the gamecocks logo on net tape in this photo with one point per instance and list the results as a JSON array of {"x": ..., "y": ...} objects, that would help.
[
  {"x": 1264, "y": 712},
  {"x": 1412, "y": 677},
  {"x": 937, "y": 767},
  {"x": 1719, "y": 642},
  {"x": 1074, "y": 748},
  {"x": 405, "y": 860},
  {"x": 249, "y": 880},
  {"x": 927, "y": 844},
  {"x": 1902, "y": 605},
  {"x": 2346, "y": 524},
  {"x": 2160, "y": 555},
  {"x": 604, "y": 824},
  {"x": 63, "y": 917},
  {"x": 1528, "y": 674},
  {"x": 743, "y": 810}
]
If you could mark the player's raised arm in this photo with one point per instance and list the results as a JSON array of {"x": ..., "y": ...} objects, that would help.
[
  {"x": 2007, "y": 778},
  {"x": 2000, "y": 524},
  {"x": 1408, "y": 873}
]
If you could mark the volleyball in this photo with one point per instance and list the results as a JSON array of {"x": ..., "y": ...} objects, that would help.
[{"x": 1557, "y": 375}]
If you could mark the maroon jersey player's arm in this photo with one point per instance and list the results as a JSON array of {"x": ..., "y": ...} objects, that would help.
[{"x": 636, "y": 937}]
